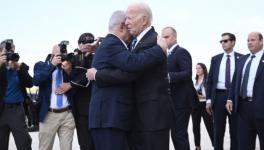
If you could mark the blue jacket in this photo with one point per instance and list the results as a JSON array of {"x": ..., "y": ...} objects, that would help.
[{"x": 43, "y": 78}]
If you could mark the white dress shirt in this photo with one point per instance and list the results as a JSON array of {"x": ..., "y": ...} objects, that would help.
[
  {"x": 170, "y": 50},
  {"x": 53, "y": 97},
  {"x": 252, "y": 72},
  {"x": 222, "y": 70}
]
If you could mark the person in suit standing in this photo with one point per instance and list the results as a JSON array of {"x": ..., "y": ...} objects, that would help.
[
  {"x": 14, "y": 78},
  {"x": 152, "y": 112},
  {"x": 111, "y": 107},
  {"x": 181, "y": 86},
  {"x": 55, "y": 113},
  {"x": 218, "y": 85},
  {"x": 247, "y": 96},
  {"x": 199, "y": 110}
]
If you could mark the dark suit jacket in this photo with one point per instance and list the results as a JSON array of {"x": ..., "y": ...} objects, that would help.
[
  {"x": 111, "y": 106},
  {"x": 258, "y": 94},
  {"x": 43, "y": 78},
  {"x": 150, "y": 89},
  {"x": 180, "y": 73},
  {"x": 24, "y": 78},
  {"x": 214, "y": 73}
]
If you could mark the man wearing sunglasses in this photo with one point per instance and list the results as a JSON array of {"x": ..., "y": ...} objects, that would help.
[{"x": 218, "y": 86}]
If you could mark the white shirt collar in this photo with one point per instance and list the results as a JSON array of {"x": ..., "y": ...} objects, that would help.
[
  {"x": 140, "y": 36},
  {"x": 232, "y": 54},
  {"x": 173, "y": 46},
  {"x": 258, "y": 54}
]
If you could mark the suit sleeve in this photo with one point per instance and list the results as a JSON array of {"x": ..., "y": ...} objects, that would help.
[
  {"x": 184, "y": 63},
  {"x": 210, "y": 81},
  {"x": 134, "y": 62},
  {"x": 110, "y": 77},
  {"x": 42, "y": 72}
]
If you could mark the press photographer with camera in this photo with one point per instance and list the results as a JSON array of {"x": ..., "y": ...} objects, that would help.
[
  {"x": 14, "y": 79},
  {"x": 55, "y": 114}
]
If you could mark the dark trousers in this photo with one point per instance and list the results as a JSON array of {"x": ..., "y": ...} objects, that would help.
[
  {"x": 109, "y": 139},
  {"x": 12, "y": 119},
  {"x": 179, "y": 133},
  {"x": 149, "y": 140},
  {"x": 83, "y": 132},
  {"x": 249, "y": 127},
  {"x": 219, "y": 116},
  {"x": 199, "y": 112}
]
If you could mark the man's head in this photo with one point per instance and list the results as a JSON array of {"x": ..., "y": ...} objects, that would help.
[
  {"x": 170, "y": 36},
  {"x": 86, "y": 42},
  {"x": 56, "y": 50},
  {"x": 255, "y": 42},
  {"x": 138, "y": 18},
  {"x": 117, "y": 25},
  {"x": 228, "y": 42}
]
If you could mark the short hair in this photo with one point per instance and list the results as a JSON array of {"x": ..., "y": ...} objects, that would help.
[
  {"x": 144, "y": 9},
  {"x": 232, "y": 37},
  {"x": 86, "y": 37},
  {"x": 118, "y": 17},
  {"x": 172, "y": 29},
  {"x": 260, "y": 37}
]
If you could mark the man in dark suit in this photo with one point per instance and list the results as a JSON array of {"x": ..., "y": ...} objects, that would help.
[
  {"x": 247, "y": 96},
  {"x": 152, "y": 111},
  {"x": 14, "y": 78},
  {"x": 181, "y": 88},
  {"x": 111, "y": 107},
  {"x": 55, "y": 113},
  {"x": 218, "y": 86}
]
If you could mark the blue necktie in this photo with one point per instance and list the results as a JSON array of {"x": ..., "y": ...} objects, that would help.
[
  {"x": 58, "y": 83},
  {"x": 243, "y": 92},
  {"x": 133, "y": 44},
  {"x": 227, "y": 73}
]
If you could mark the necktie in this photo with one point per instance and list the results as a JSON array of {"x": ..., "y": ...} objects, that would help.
[
  {"x": 133, "y": 44},
  {"x": 244, "y": 84},
  {"x": 58, "y": 83},
  {"x": 227, "y": 73}
]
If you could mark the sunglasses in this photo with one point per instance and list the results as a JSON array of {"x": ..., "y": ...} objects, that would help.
[{"x": 224, "y": 41}]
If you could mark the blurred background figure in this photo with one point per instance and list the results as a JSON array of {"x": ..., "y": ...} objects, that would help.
[{"x": 199, "y": 110}]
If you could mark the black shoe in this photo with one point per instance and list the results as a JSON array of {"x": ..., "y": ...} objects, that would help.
[{"x": 33, "y": 128}]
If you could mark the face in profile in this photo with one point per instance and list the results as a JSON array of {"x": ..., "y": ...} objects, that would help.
[
  {"x": 134, "y": 21},
  {"x": 254, "y": 43}
]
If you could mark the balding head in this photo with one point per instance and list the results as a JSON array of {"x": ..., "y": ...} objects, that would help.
[
  {"x": 56, "y": 50},
  {"x": 138, "y": 18},
  {"x": 255, "y": 42},
  {"x": 170, "y": 36}
]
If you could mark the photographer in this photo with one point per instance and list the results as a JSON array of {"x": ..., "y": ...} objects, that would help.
[
  {"x": 55, "y": 114},
  {"x": 14, "y": 79},
  {"x": 82, "y": 90}
]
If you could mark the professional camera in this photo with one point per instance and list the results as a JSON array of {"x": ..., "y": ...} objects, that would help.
[
  {"x": 10, "y": 54},
  {"x": 63, "y": 49}
]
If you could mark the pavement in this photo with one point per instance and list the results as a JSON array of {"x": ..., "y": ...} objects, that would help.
[{"x": 205, "y": 141}]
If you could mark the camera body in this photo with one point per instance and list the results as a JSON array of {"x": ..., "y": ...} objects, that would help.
[
  {"x": 10, "y": 54},
  {"x": 63, "y": 49}
]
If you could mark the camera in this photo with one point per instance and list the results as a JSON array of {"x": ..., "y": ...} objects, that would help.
[
  {"x": 63, "y": 49},
  {"x": 10, "y": 54}
]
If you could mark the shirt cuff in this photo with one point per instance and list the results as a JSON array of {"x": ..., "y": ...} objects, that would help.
[
  {"x": 229, "y": 101},
  {"x": 208, "y": 101}
]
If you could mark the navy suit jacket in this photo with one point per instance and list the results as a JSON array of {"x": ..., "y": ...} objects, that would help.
[
  {"x": 111, "y": 106},
  {"x": 43, "y": 78},
  {"x": 180, "y": 74},
  {"x": 214, "y": 73},
  {"x": 150, "y": 88},
  {"x": 258, "y": 94}
]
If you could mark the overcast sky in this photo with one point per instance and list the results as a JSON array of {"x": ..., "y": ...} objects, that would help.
[{"x": 36, "y": 25}]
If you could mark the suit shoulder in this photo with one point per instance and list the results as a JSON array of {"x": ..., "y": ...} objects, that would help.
[{"x": 239, "y": 54}]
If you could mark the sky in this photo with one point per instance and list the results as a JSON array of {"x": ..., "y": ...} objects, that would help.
[{"x": 37, "y": 25}]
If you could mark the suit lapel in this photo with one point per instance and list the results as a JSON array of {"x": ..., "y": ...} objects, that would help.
[
  {"x": 260, "y": 67},
  {"x": 236, "y": 58},
  {"x": 217, "y": 66}
]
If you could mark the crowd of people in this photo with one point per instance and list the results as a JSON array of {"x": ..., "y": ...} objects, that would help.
[{"x": 133, "y": 90}]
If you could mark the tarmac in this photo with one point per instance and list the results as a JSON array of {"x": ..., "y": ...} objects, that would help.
[{"x": 205, "y": 140}]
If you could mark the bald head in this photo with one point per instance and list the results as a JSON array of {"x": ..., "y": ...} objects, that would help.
[
  {"x": 170, "y": 36},
  {"x": 255, "y": 42},
  {"x": 138, "y": 18}
]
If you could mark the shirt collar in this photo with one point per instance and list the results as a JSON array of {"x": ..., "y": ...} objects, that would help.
[
  {"x": 258, "y": 54},
  {"x": 140, "y": 36},
  {"x": 173, "y": 46},
  {"x": 230, "y": 54}
]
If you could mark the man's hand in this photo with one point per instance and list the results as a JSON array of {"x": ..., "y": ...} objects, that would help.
[
  {"x": 90, "y": 74},
  {"x": 229, "y": 106},
  {"x": 162, "y": 43},
  {"x": 2, "y": 59},
  {"x": 209, "y": 108},
  {"x": 56, "y": 60},
  {"x": 14, "y": 65},
  {"x": 63, "y": 88}
]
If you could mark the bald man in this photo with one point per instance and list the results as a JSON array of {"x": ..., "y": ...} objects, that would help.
[
  {"x": 247, "y": 96},
  {"x": 55, "y": 113}
]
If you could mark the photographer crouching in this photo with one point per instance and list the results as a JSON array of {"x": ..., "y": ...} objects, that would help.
[{"x": 14, "y": 78}]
